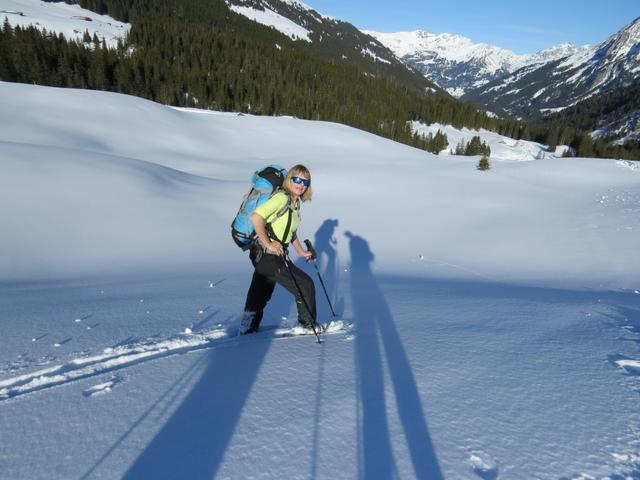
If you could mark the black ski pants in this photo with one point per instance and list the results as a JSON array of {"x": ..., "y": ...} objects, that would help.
[{"x": 269, "y": 270}]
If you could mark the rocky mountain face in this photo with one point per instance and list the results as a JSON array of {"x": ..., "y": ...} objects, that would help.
[{"x": 540, "y": 89}]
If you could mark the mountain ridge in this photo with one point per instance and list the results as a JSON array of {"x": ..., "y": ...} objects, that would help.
[
  {"x": 559, "y": 84},
  {"x": 537, "y": 86},
  {"x": 334, "y": 39},
  {"x": 456, "y": 63}
]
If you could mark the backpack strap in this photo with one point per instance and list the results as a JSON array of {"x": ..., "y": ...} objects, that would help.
[
  {"x": 245, "y": 200},
  {"x": 287, "y": 208},
  {"x": 286, "y": 231},
  {"x": 288, "y": 205}
]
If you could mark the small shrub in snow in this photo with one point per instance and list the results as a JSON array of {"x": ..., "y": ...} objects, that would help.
[{"x": 484, "y": 164}]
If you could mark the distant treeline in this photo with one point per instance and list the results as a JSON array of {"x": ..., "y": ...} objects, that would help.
[{"x": 198, "y": 53}]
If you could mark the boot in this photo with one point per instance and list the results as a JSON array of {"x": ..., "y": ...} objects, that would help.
[{"x": 247, "y": 323}]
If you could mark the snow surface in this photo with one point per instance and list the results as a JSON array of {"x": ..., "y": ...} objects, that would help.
[
  {"x": 494, "y": 316},
  {"x": 372, "y": 54},
  {"x": 70, "y": 20},
  {"x": 502, "y": 148},
  {"x": 272, "y": 19}
]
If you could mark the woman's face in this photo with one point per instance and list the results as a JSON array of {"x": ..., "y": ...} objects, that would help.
[{"x": 297, "y": 184}]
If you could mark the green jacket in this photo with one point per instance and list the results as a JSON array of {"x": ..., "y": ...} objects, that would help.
[{"x": 270, "y": 210}]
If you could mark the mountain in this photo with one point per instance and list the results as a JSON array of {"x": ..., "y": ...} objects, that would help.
[
  {"x": 456, "y": 63},
  {"x": 331, "y": 39},
  {"x": 614, "y": 114},
  {"x": 544, "y": 88}
]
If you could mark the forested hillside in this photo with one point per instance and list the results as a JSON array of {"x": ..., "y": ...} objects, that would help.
[
  {"x": 198, "y": 53},
  {"x": 615, "y": 114}
]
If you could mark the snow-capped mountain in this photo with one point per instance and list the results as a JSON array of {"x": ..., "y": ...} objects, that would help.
[
  {"x": 456, "y": 63},
  {"x": 558, "y": 84},
  {"x": 330, "y": 38}
]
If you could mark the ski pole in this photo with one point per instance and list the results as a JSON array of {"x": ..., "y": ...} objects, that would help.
[
  {"x": 286, "y": 260},
  {"x": 307, "y": 242}
]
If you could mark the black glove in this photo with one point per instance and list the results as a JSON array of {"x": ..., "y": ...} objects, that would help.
[{"x": 310, "y": 248}]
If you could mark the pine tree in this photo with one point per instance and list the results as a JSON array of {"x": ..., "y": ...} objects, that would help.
[
  {"x": 552, "y": 138},
  {"x": 477, "y": 147}
]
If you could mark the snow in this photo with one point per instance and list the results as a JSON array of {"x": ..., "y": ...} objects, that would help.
[
  {"x": 272, "y": 19},
  {"x": 493, "y": 317},
  {"x": 456, "y": 92},
  {"x": 454, "y": 53},
  {"x": 70, "y": 20},
  {"x": 372, "y": 54},
  {"x": 298, "y": 4},
  {"x": 502, "y": 148},
  {"x": 555, "y": 52},
  {"x": 618, "y": 53},
  {"x": 454, "y": 48},
  {"x": 539, "y": 92},
  {"x": 625, "y": 128},
  {"x": 552, "y": 110}
]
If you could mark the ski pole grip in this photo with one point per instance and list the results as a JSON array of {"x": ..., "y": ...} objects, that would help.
[{"x": 307, "y": 242}]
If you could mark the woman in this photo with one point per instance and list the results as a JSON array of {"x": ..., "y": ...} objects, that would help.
[{"x": 275, "y": 223}]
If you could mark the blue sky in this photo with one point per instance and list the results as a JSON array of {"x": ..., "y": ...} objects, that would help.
[{"x": 524, "y": 27}]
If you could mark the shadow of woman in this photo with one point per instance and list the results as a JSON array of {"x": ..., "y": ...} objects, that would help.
[
  {"x": 327, "y": 262},
  {"x": 374, "y": 327},
  {"x": 193, "y": 441}
]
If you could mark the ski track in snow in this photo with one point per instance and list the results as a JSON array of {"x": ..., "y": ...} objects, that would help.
[
  {"x": 630, "y": 326},
  {"x": 629, "y": 323},
  {"x": 127, "y": 354}
]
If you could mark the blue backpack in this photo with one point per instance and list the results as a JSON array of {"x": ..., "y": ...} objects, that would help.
[{"x": 265, "y": 183}]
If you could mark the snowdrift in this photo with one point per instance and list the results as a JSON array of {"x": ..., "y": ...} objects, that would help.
[{"x": 97, "y": 181}]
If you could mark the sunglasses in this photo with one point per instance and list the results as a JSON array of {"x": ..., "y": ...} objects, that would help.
[{"x": 299, "y": 180}]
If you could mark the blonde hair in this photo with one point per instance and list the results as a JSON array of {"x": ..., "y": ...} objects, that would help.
[{"x": 296, "y": 171}]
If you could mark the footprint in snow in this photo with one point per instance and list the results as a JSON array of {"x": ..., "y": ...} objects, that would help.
[
  {"x": 102, "y": 388},
  {"x": 630, "y": 366},
  {"x": 62, "y": 342},
  {"x": 483, "y": 465}
]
